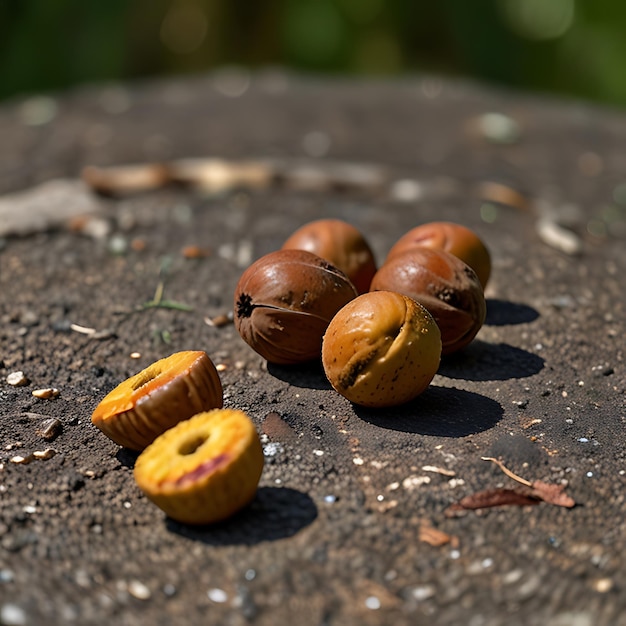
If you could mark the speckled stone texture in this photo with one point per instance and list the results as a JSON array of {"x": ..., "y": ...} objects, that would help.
[{"x": 333, "y": 537}]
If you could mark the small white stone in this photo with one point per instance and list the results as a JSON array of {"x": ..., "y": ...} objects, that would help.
[
  {"x": 406, "y": 190},
  {"x": 44, "y": 455},
  {"x": 12, "y": 615},
  {"x": 21, "y": 460},
  {"x": 217, "y": 595},
  {"x": 373, "y": 603},
  {"x": 47, "y": 393},
  {"x": 411, "y": 482},
  {"x": 138, "y": 590},
  {"x": 423, "y": 592},
  {"x": 17, "y": 379}
]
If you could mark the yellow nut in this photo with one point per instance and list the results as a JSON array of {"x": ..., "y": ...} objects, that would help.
[
  {"x": 204, "y": 469},
  {"x": 381, "y": 349},
  {"x": 170, "y": 390}
]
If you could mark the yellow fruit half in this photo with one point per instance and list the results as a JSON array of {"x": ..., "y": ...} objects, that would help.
[{"x": 204, "y": 469}]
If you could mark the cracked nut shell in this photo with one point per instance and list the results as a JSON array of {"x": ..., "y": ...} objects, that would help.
[
  {"x": 381, "y": 349},
  {"x": 285, "y": 301},
  {"x": 339, "y": 243},
  {"x": 204, "y": 469},
  {"x": 442, "y": 283},
  {"x": 458, "y": 240},
  {"x": 170, "y": 390}
]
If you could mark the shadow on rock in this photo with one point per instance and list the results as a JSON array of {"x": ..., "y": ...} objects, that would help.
[
  {"x": 275, "y": 513},
  {"x": 502, "y": 313},
  {"x": 127, "y": 457},
  {"x": 440, "y": 412},
  {"x": 309, "y": 375},
  {"x": 490, "y": 361}
]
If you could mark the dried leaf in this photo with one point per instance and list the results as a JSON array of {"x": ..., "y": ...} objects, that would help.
[
  {"x": 552, "y": 494},
  {"x": 435, "y": 537},
  {"x": 497, "y": 497}
]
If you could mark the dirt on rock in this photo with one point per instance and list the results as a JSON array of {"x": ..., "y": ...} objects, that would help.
[{"x": 349, "y": 525}]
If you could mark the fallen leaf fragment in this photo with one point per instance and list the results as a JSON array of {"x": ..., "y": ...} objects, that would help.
[
  {"x": 490, "y": 498},
  {"x": 434, "y": 537},
  {"x": 552, "y": 494}
]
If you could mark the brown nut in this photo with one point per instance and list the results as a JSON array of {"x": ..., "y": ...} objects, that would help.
[
  {"x": 339, "y": 243},
  {"x": 284, "y": 302},
  {"x": 381, "y": 349},
  {"x": 147, "y": 404},
  {"x": 446, "y": 286},
  {"x": 453, "y": 238}
]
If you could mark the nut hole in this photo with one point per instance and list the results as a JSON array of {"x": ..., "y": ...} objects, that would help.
[
  {"x": 143, "y": 378},
  {"x": 191, "y": 445}
]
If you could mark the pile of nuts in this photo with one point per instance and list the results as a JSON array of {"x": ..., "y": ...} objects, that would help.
[
  {"x": 379, "y": 348},
  {"x": 380, "y": 335}
]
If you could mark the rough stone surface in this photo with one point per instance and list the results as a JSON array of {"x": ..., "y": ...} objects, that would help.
[{"x": 333, "y": 535}]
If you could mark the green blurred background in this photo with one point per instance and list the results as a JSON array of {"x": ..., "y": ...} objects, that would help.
[{"x": 571, "y": 47}]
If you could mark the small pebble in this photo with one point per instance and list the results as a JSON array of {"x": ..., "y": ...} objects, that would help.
[
  {"x": 250, "y": 574},
  {"x": 138, "y": 590},
  {"x": 21, "y": 460},
  {"x": 603, "y": 585},
  {"x": 169, "y": 590},
  {"x": 118, "y": 245},
  {"x": 499, "y": 128},
  {"x": 46, "y": 394},
  {"x": 50, "y": 429},
  {"x": 217, "y": 595},
  {"x": 423, "y": 592},
  {"x": 17, "y": 379},
  {"x": 6, "y": 576},
  {"x": 406, "y": 190},
  {"x": 12, "y": 615},
  {"x": 372, "y": 602},
  {"x": 38, "y": 110},
  {"x": 44, "y": 455},
  {"x": 135, "y": 355}
]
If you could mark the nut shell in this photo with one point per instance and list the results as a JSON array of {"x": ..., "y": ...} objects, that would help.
[
  {"x": 381, "y": 349},
  {"x": 339, "y": 243},
  {"x": 204, "y": 469},
  {"x": 442, "y": 283},
  {"x": 170, "y": 390},
  {"x": 453, "y": 238},
  {"x": 285, "y": 301}
]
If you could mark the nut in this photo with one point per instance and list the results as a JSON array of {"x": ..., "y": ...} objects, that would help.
[
  {"x": 204, "y": 469},
  {"x": 165, "y": 393},
  {"x": 446, "y": 286},
  {"x": 284, "y": 302},
  {"x": 339, "y": 243},
  {"x": 381, "y": 349},
  {"x": 453, "y": 238}
]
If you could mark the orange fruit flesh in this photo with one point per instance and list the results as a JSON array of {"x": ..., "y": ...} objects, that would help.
[
  {"x": 126, "y": 395},
  {"x": 204, "y": 469}
]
